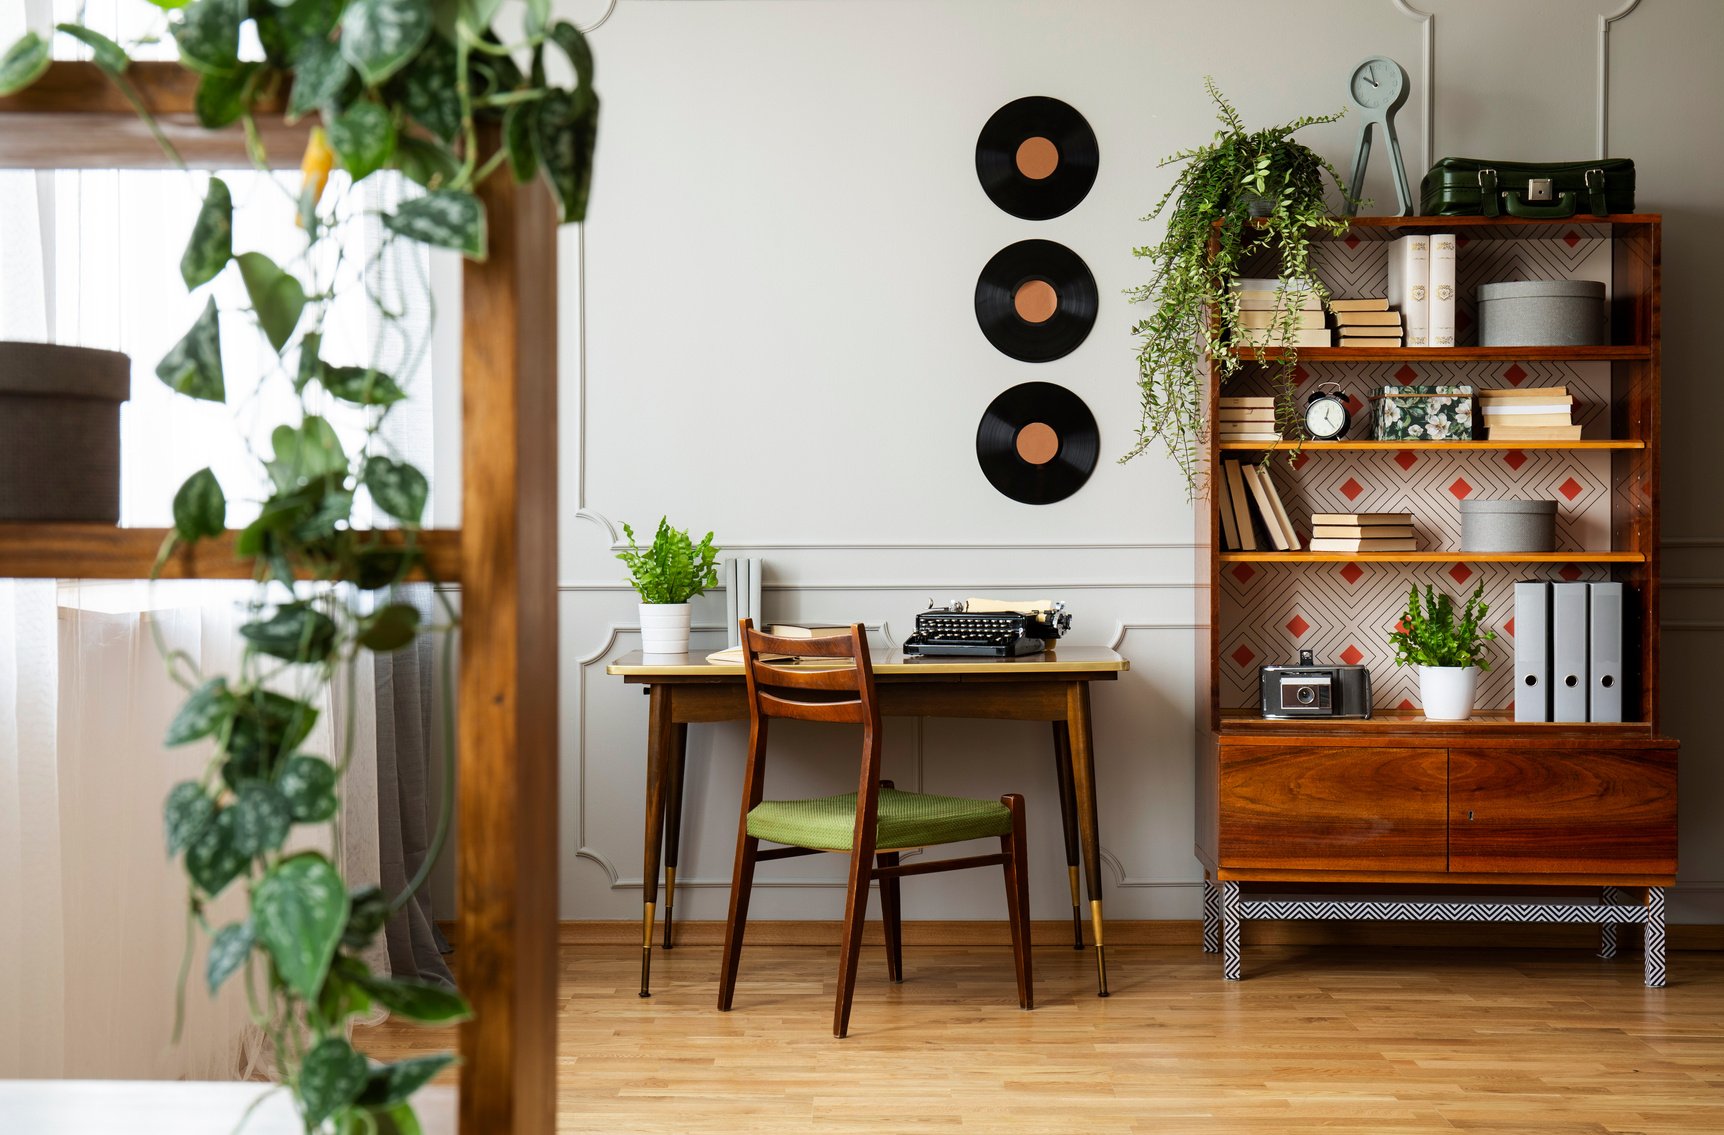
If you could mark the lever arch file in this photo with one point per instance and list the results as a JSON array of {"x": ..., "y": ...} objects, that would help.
[
  {"x": 1532, "y": 651},
  {"x": 1568, "y": 609},
  {"x": 1604, "y": 662}
]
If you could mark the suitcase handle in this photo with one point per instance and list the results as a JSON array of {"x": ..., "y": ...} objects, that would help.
[{"x": 1566, "y": 205}]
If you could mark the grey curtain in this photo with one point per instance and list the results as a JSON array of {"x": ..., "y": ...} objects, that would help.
[{"x": 407, "y": 793}]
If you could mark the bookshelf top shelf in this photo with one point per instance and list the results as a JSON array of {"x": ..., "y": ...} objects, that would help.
[
  {"x": 1398, "y": 446},
  {"x": 1450, "y": 354},
  {"x": 1491, "y": 228},
  {"x": 1251, "y": 722},
  {"x": 1439, "y": 556}
]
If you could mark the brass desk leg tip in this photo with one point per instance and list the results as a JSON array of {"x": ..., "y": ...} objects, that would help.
[
  {"x": 646, "y": 971},
  {"x": 1101, "y": 970}
]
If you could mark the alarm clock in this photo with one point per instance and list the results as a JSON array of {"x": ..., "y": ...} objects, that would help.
[{"x": 1326, "y": 413}]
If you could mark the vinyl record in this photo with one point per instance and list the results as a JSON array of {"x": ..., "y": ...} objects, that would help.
[
  {"x": 1036, "y": 158},
  {"x": 1037, "y": 443},
  {"x": 1036, "y": 300}
]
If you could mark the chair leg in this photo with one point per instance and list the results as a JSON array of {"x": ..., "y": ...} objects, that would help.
[
  {"x": 1017, "y": 871},
  {"x": 741, "y": 883},
  {"x": 891, "y": 918},
  {"x": 855, "y": 917}
]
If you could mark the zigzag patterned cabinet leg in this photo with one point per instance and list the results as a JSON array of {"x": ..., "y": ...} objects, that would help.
[
  {"x": 1655, "y": 971},
  {"x": 1230, "y": 945},
  {"x": 1211, "y": 917}
]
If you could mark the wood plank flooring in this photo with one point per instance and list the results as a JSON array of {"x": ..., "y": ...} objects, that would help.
[{"x": 1385, "y": 1041}]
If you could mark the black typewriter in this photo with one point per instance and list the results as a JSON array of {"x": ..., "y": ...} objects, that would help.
[{"x": 959, "y": 629}]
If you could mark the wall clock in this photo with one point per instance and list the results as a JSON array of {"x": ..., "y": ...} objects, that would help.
[{"x": 1378, "y": 87}]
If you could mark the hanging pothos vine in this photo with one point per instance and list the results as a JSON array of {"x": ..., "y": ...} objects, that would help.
[{"x": 394, "y": 84}]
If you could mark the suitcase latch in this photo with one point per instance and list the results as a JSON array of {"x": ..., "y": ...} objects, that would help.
[{"x": 1539, "y": 189}]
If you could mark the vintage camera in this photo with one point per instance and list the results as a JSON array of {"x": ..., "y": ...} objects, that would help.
[{"x": 1309, "y": 690}]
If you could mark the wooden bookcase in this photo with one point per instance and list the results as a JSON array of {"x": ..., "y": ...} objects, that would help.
[
  {"x": 504, "y": 558},
  {"x": 1396, "y": 802}
]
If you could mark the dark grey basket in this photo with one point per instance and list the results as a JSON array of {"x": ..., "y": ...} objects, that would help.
[{"x": 60, "y": 432}]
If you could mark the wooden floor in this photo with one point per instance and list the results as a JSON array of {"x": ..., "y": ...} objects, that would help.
[{"x": 1315, "y": 1039}]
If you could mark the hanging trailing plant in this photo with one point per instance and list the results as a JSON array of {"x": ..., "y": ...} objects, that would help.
[
  {"x": 1242, "y": 194},
  {"x": 393, "y": 84}
]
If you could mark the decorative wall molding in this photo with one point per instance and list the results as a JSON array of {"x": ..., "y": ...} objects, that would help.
[
  {"x": 967, "y": 586},
  {"x": 1604, "y": 22},
  {"x": 1427, "y": 81}
]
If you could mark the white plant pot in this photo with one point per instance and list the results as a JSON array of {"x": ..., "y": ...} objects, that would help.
[
  {"x": 664, "y": 628},
  {"x": 1446, "y": 692}
]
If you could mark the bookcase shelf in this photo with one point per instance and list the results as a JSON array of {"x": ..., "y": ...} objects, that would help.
[
  {"x": 1434, "y": 557},
  {"x": 1427, "y": 446},
  {"x": 1451, "y": 354}
]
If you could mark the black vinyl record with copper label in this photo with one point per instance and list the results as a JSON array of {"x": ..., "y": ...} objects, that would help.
[
  {"x": 1036, "y": 158},
  {"x": 1036, "y": 300},
  {"x": 1037, "y": 443}
]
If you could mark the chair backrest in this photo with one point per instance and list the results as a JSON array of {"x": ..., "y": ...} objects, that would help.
[{"x": 841, "y": 690}]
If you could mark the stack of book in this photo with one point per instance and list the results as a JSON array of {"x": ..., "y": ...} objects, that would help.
[
  {"x": 1249, "y": 503},
  {"x": 1362, "y": 532},
  {"x": 1422, "y": 287},
  {"x": 1246, "y": 421},
  {"x": 1541, "y": 413},
  {"x": 1366, "y": 322},
  {"x": 1265, "y": 321}
]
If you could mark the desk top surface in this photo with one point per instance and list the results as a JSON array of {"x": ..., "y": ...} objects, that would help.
[{"x": 888, "y": 663}]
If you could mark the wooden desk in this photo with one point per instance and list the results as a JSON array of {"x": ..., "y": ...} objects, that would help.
[{"x": 1052, "y": 687}]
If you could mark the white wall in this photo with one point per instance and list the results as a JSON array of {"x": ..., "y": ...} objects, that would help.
[{"x": 784, "y": 238}]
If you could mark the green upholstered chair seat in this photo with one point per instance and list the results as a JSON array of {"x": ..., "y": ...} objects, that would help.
[{"x": 907, "y": 819}]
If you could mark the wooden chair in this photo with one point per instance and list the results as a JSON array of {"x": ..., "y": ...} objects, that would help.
[{"x": 873, "y": 825}]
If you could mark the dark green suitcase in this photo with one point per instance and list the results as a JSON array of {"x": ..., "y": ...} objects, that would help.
[{"x": 1469, "y": 187}]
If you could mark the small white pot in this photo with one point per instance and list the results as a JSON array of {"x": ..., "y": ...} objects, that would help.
[
  {"x": 1446, "y": 692},
  {"x": 664, "y": 628}
]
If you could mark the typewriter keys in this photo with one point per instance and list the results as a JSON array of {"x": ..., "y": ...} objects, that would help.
[
  {"x": 1036, "y": 158},
  {"x": 1036, "y": 300},
  {"x": 1037, "y": 443}
]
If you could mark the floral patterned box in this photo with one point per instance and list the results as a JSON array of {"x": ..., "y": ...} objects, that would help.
[{"x": 1423, "y": 413}]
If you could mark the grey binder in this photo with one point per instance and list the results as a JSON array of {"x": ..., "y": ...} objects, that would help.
[
  {"x": 1604, "y": 662},
  {"x": 1532, "y": 652},
  {"x": 1568, "y": 605}
]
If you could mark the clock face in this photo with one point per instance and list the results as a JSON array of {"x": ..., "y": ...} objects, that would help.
[
  {"x": 1326, "y": 417},
  {"x": 1377, "y": 83}
]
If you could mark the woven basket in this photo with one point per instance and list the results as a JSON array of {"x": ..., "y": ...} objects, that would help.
[{"x": 60, "y": 432}]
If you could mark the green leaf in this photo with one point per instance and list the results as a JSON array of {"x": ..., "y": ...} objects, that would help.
[
  {"x": 185, "y": 814},
  {"x": 425, "y": 162},
  {"x": 297, "y": 632},
  {"x": 320, "y": 74},
  {"x": 267, "y": 727},
  {"x": 363, "y": 386},
  {"x": 211, "y": 245},
  {"x": 222, "y": 98},
  {"x": 538, "y": 15},
  {"x": 277, "y": 299},
  {"x": 443, "y": 218},
  {"x": 427, "y": 88},
  {"x": 398, "y": 488},
  {"x": 369, "y": 911},
  {"x": 228, "y": 950},
  {"x": 309, "y": 364},
  {"x": 398, "y": 1120},
  {"x": 567, "y": 129},
  {"x": 200, "y": 509},
  {"x": 193, "y": 367},
  {"x": 379, "y": 36},
  {"x": 214, "y": 860},
  {"x": 284, "y": 29},
  {"x": 376, "y": 568},
  {"x": 333, "y": 506},
  {"x": 202, "y": 714},
  {"x": 418, "y": 1001},
  {"x": 478, "y": 14},
  {"x": 109, "y": 56},
  {"x": 169, "y": 5},
  {"x": 308, "y": 785},
  {"x": 390, "y": 1084},
  {"x": 520, "y": 129},
  {"x": 331, "y": 1077},
  {"x": 574, "y": 44},
  {"x": 310, "y": 453},
  {"x": 24, "y": 63},
  {"x": 208, "y": 35},
  {"x": 298, "y": 909},
  {"x": 261, "y": 818},
  {"x": 363, "y": 137},
  {"x": 389, "y": 629}
]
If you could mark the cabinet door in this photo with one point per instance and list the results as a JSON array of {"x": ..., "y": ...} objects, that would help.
[
  {"x": 1333, "y": 809},
  {"x": 1582, "y": 811}
]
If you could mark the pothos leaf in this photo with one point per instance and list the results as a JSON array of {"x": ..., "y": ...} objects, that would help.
[
  {"x": 574, "y": 44},
  {"x": 228, "y": 950},
  {"x": 24, "y": 63},
  {"x": 397, "y": 488},
  {"x": 297, "y": 632},
  {"x": 443, "y": 218},
  {"x": 390, "y": 628},
  {"x": 193, "y": 367},
  {"x": 298, "y": 909},
  {"x": 309, "y": 453},
  {"x": 261, "y": 818},
  {"x": 221, "y": 97},
  {"x": 277, "y": 297},
  {"x": 363, "y": 137},
  {"x": 331, "y": 1077},
  {"x": 214, "y": 860},
  {"x": 363, "y": 386},
  {"x": 369, "y": 911},
  {"x": 308, "y": 785},
  {"x": 208, "y": 35},
  {"x": 320, "y": 74},
  {"x": 567, "y": 129},
  {"x": 108, "y": 55},
  {"x": 211, "y": 245},
  {"x": 202, "y": 713},
  {"x": 425, "y": 162},
  {"x": 398, "y": 1120},
  {"x": 379, "y": 36},
  {"x": 390, "y": 1084},
  {"x": 200, "y": 509},
  {"x": 427, "y": 87},
  {"x": 418, "y": 1001},
  {"x": 520, "y": 126},
  {"x": 186, "y": 812}
]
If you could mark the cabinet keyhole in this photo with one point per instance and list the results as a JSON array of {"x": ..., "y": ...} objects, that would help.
[{"x": 1469, "y": 815}]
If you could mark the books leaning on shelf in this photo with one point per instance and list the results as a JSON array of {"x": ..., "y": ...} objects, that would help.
[
  {"x": 1540, "y": 413},
  {"x": 1248, "y": 500},
  {"x": 1246, "y": 420},
  {"x": 1362, "y": 532}
]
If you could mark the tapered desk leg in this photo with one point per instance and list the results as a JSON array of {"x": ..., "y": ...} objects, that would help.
[
  {"x": 1069, "y": 824},
  {"x": 1083, "y": 783},
  {"x": 673, "y": 821},
  {"x": 661, "y": 741}
]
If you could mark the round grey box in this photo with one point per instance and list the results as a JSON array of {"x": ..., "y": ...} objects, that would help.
[
  {"x": 1541, "y": 313},
  {"x": 1508, "y": 526}
]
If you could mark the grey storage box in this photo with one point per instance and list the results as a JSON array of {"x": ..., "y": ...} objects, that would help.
[
  {"x": 1508, "y": 526},
  {"x": 1541, "y": 313},
  {"x": 60, "y": 432}
]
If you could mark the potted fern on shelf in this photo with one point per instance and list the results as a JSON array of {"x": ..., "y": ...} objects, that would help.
[
  {"x": 1245, "y": 192},
  {"x": 668, "y": 573},
  {"x": 1448, "y": 648}
]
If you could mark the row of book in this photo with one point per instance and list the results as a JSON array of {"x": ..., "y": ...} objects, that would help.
[
  {"x": 1246, "y": 421},
  {"x": 1266, "y": 321},
  {"x": 1362, "y": 532},
  {"x": 1539, "y": 413},
  {"x": 1248, "y": 500},
  {"x": 1422, "y": 286},
  {"x": 1366, "y": 321}
]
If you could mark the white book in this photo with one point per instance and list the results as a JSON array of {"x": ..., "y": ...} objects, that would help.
[
  {"x": 1523, "y": 406},
  {"x": 1442, "y": 290},
  {"x": 1409, "y": 282}
]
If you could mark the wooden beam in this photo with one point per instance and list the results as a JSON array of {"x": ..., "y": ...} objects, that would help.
[
  {"x": 101, "y": 551},
  {"x": 507, "y": 861}
]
